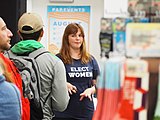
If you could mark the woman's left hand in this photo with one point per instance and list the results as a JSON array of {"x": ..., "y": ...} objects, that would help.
[{"x": 87, "y": 93}]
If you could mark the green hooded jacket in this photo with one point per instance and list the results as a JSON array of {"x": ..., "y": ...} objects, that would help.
[{"x": 26, "y": 46}]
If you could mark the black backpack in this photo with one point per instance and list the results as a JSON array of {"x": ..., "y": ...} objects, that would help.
[{"x": 30, "y": 74}]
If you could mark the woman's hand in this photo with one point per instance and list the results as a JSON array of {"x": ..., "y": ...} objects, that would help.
[
  {"x": 71, "y": 88},
  {"x": 88, "y": 93}
]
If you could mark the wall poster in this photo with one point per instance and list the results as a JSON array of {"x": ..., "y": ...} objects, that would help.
[
  {"x": 143, "y": 40},
  {"x": 59, "y": 17}
]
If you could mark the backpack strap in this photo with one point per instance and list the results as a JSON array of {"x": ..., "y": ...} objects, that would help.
[
  {"x": 9, "y": 54},
  {"x": 35, "y": 54}
]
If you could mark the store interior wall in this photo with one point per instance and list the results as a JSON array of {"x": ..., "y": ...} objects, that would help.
[
  {"x": 99, "y": 10},
  {"x": 97, "y": 7},
  {"x": 113, "y": 10},
  {"x": 17, "y": 7}
]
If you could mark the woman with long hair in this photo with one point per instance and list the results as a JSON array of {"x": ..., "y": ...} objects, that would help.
[{"x": 81, "y": 72}]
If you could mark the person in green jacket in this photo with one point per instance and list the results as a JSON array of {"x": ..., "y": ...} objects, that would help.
[{"x": 52, "y": 70}]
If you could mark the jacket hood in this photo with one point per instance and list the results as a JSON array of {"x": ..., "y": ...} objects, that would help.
[{"x": 26, "y": 46}]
